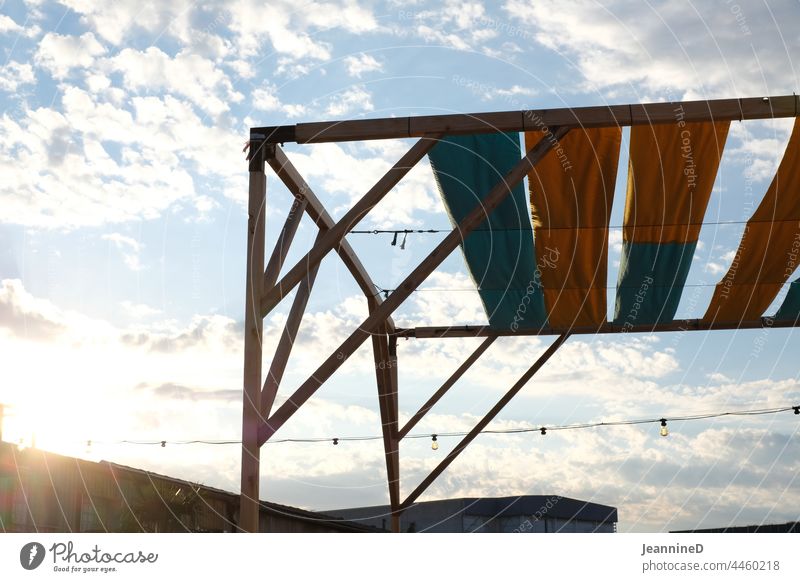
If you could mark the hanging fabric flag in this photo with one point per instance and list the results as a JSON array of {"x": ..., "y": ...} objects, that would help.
[
  {"x": 671, "y": 172},
  {"x": 572, "y": 190},
  {"x": 499, "y": 253},
  {"x": 790, "y": 308},
  {"x": 770, "y": 247}
]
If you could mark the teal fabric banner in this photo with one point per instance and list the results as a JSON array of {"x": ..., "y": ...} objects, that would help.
[
  {"x": 651, "y": 280},
  {"x": 790, "y": 308},
  {"x": 500, "y": 255}
]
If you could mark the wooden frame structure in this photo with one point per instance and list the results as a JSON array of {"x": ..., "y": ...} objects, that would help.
[{"x": 265, "y": 287}]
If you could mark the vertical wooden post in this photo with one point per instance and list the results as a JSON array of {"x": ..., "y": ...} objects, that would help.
[
  {"x": 253, "y": 328},
  {"x": 385, "y": 357},
  {"x": 394, "y": 409}
]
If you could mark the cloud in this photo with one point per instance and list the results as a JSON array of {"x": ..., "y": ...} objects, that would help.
[
  {"x": 362, "y": 63},
  {"x": 114, "y": 21},
  {"x": 130, "y": 249},
  {"x": 139, "y": 310},
  {"x": 662, "y": 48},
  {"x": 189, "y": 75},
  {"x": 265, "y": 99},
  {"x": 61, "y": 172},
  {"x": 7, "y": 24},
  {"x": 180, "y": 392},
  {"x": 14, "y": 75},
  {"x": 59, "y": 54},
  {"x": 203, "y": 331},
  {"x": 719, "y": 377},
  {"x": 355, "y": 100},
  {"x": 24, "y": 315}
]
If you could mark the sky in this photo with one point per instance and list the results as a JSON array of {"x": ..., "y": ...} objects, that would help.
[{"x": 123, "y": 235}]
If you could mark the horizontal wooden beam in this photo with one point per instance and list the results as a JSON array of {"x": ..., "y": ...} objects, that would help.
[
  {"x": 606, "y": 328},
  {"x": 529, "y": 120}
]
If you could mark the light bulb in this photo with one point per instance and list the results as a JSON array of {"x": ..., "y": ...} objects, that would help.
[
  {"x": 434, "y": 443},
  {"x": 664, "y": 429},
  {"x": 796, "y": 409},
  {"x": 543, "y": 431}
]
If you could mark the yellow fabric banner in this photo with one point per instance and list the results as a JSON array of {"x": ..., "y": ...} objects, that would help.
[
  {"x": 571, "y": 192},
  {"x": 770, "y": 248},
  {"x": 671, "y": 172}
]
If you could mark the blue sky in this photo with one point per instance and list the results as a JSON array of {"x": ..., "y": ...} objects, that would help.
[{"x": 122, "y": 239}]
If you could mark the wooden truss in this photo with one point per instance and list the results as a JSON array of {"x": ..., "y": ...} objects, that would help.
[{"x": 265, "y": 287}]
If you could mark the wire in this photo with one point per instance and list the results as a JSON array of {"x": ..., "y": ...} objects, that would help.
[
  {"x": 546, "y": 228},
  {"x": 521, "y": 430},
  {"x": 387, "y": 291}
]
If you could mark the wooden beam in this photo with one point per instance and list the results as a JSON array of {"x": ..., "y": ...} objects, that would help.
[
  {"x": 253, "y": 326},
  {"x": 333, "y": 237},
  {"x": 295, "y": 183},
  {"x": 275, "y": 263},
  {"x": 394, "y": 410},
  {"x": 379, "y": 315},
  {"x": 286, "y": 342},
  {"x": 387, "y": 399},
  {"x": 454, "y": 377},
  {"x": 451, "y": 456},
  {"x": 677, "y": 325},
  {"x": 596, "y": 116}
]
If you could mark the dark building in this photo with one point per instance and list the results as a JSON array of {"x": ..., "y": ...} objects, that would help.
[
  {"x": 44, "y": 492},
  {"x": 522, "y": 514}
]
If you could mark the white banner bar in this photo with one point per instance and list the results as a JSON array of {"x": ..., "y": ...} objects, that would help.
[{"x": 382, "y": 557}]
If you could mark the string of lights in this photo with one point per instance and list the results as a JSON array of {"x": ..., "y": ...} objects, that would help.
[{"x": 542, "y": 429}]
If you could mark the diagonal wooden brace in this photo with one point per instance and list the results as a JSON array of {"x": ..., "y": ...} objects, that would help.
[
  {"x": 337, "y": 232},
  {"x": 451, "y": 456}
]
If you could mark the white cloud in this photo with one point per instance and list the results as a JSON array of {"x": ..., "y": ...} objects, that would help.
[
  {"x": 357, "y": 65},
  {"x": 265, "y": 99},
  {"x": 719, "y": 378},
  {"x": 189, "y": 75},
  {"x": 7, "y": 24},
  {"x": 512, "y": 93},
  {"x": 697, "y": 53},
  {"x": 129, "y": 247},
  {"x": 355, "y": 100},
  {"x": 61, "y": 174},
  {"x": 139, "y": 310},
  {"x": 758, "y": 146},
  {"x": 59, "y": 54},
  {"x": 15, "y": 75},
  {"x": 114, "y": 21}
]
